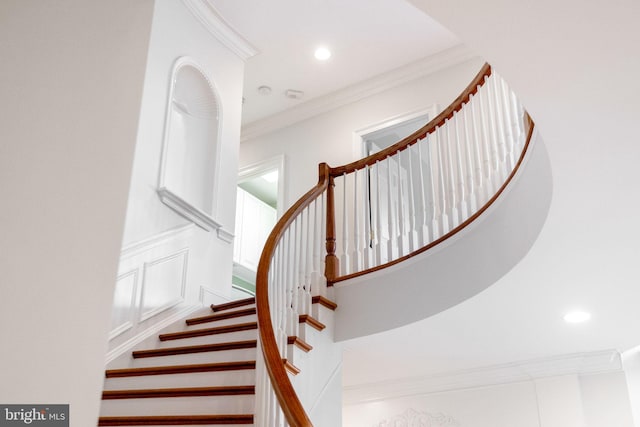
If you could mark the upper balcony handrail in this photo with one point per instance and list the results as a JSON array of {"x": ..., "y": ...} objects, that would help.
[{"x": 421, "y": 133}]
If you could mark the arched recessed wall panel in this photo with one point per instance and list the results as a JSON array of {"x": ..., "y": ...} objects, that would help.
[{"x": 190, "y": 149}]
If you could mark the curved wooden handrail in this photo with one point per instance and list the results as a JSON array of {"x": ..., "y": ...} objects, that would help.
[
  {"x": 529, "y": 130},
  {"x": 421, "y": 133},
  {"x": 289, "y": 402}
]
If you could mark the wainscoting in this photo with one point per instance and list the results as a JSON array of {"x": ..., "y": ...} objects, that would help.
[{"x": 151, "y": 284}]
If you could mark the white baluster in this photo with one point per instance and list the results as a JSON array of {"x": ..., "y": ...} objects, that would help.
[
  {"x": 444, "y": 217},
  {"x": 424, "y": 229},
  {"x": 378, "y": 230},
  {"x": 390, "y": 211},
  {"x": 507, "y": 123},
  {"x": 413, "y": 233},
  {"x": 462, "y": 188},
  {"x": 451, "y": 176},
  {"x": 402, "y": 228},
  {"x": 322, "y": 280},
  {"x": 494, "y": 141},
  {"x": 473, "y": 202},
  {"x": 500, "y": 125},
  {"x": 486, "y": 146},
  {"x": 344, "y": 260},
  {"x": 356, "y": 254},
  {"x": 434, "y": 161},
  {"x": 368, "y": 217}
]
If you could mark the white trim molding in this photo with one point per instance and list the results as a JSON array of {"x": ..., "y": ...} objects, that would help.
[
  {"x": 149, "y": 332},
  {"x": 183, "y": 257},
  {"x": 187, "y": 210},
  {"x": 412, "y": 418},
  {"x": 153, "y": 241},
  {"x": 225, "y": 235},
  {"x": 257, "y": 169},
  {"x": 572, "y": 364},
  {"x": 356, "y": 92},
  {"x": 208, "y": 15},
  {"x": 359, "y": 134}
]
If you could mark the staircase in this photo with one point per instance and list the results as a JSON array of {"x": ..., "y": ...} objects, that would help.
[
  {"x": 239, "y": 364},
  {"x": 200, "y": 372}
]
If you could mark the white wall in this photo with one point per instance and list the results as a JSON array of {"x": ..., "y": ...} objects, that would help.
[
  {"x": 71, "y": 83},
  {"x": 201, "y": 259},
  {"x": 631, "y": 363},
  {"x": 177, "y": 33},
  {"x": 329, "y": 137},
  {"x": 565, "y": 401}
]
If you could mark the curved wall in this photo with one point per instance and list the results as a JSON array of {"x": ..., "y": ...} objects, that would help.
[{"x": 457, "y": 269}]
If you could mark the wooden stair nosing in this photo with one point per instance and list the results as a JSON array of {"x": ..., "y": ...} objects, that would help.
[
  {"x": 176, "y": 420},
  {"x": 236, "y": 345},
  {"x": 221, "y": 316},
  {"x": 233, "y": 304},
  {"x": 181, "y": 369},
  {"x": 293, "y": 369},
  {"x": 179, "y": 392},
  {"x": 209, "y": 331},
  {"x": 300, "y": 343},
  {"x": 305, "y": 318},
  {"x": 326, "y": 302}
]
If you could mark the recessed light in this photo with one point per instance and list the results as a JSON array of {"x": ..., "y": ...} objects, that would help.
[
  {"x": 322, "y": 53},
  {"x": 577, "y": 317},
  {"x": 264, "y": 90}
]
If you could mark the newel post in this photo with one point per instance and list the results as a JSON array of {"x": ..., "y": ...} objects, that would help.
[{"x": 331, "y": 264}]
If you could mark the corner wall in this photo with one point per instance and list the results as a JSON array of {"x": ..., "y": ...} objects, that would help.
[{"x": 71, "y": 83}]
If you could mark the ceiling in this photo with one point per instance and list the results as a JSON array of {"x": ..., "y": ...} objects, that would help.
[
  {"x": 575, "y": 66},
  {"x": 364, "y": 37}
]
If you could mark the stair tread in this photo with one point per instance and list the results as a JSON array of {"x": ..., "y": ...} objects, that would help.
[
  {"x": 180, "y": 369},
  {"x": 326, "y": 302},
  {"x": 233, "y": 304},
  {"x": 173, "y": 420},
  {"x": 300, "y": 343},
  {"x": 305, "y": 318},
  {"x": 221, "y": 316},
  {"x": 235, "y": 345},
  {"x": 179, "y": 392},
  {"x": 209, "y": 331}
]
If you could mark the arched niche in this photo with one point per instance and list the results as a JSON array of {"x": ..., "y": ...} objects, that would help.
[{"x": 190, "y": 148}]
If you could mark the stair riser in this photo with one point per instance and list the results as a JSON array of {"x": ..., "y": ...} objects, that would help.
[
  {"x": 196, "y": 379},
  {"x": 199, "y": 425},
  {"x": 188, "y": 359},
  {"x": 251, "y": 334},
  {"x": 223, "y": 322},
  {"x": 198, "y": 405}
]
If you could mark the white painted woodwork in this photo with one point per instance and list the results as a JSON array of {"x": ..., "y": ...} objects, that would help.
[
  {"x": 254, "y": 221},
  {"x": 190, "y": 148},
  {"x": 381, "y": 307},
  {"x": 404, "y": 180}
]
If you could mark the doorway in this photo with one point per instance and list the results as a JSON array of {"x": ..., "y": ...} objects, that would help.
[{"x": 259, "y": 205}]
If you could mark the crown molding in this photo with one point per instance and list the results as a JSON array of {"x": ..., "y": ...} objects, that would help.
[
  {"x": 207, "y": 14},
  {"x": 573, "y": 364},
  {"x": 358, "y": 91}
]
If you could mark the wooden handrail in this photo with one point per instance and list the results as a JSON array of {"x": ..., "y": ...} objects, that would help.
[
  {"x": 529, "y": 124},
  {"x": 421, "y": 133},
  {"x": 289, "y": 402}
]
